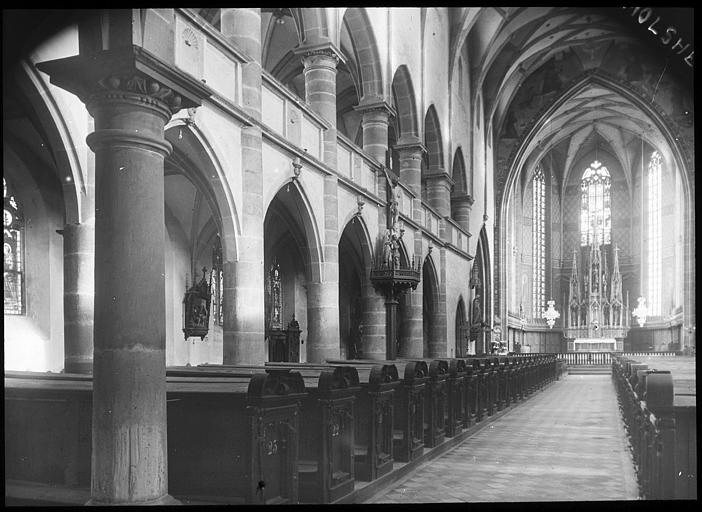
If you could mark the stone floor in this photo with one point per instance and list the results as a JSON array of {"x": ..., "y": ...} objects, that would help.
[{"x": 567, "y": 443}]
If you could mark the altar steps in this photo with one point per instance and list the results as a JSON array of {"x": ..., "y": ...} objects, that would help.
[{"x": 589, "y": 369}]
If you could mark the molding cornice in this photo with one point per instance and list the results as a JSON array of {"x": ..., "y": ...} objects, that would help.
[{"x": 131, "y": 70}]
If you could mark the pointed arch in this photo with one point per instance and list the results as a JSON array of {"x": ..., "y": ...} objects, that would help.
[
  {"x": 458, "y": 174},
  {"x": 461, "y": 329},
  {"x": 296, "y": 211},
  {"x": 193, "y": 154},
  {"x": 430, "y": 304},
  {"x": 433, "y": 141},
  {"x": 405, "y": 103},
  {"x": 365, "y": 49},
  {"x": 48, "y": 112},
  {"x": 663, "y": 135}
]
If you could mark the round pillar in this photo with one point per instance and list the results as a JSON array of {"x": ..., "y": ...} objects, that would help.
[
  {"x": 375, "y": 128},
  {"x": 78, "y": 295},
  {"x": 129, "y": 457},
  {"x": 322, "y": 322},
  {"x": 439, "y": 192},
  {"x": 374, "y": 324},
  {"x": 460, "y": 210},
  {"x": 320, "y": 93}
]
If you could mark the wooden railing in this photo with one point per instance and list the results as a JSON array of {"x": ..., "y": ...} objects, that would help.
[
  {"x": 602, "y": 358},
  {"x": 657, "y": 429},
  {"x": 586, "y": 358}
]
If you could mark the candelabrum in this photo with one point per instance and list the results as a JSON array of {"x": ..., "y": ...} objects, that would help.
[
  {"x": 640, "y": 311},
  {"x": 550, "y": 314}
]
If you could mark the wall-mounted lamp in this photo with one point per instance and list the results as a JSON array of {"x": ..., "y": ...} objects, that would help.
[{"x": 431, "y": 247}]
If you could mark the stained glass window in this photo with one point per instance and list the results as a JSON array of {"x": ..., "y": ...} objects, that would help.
[
  {"x": 595, "y": 210},
  {"x": 653, "y": 216},
  {"x": 218, "y": 292},
  {"x": 538, "y": 241},
  {"x": 13, "y": 274}
]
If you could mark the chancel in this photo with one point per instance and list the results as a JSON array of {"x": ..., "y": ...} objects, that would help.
[{"x": 265, "y": 255}]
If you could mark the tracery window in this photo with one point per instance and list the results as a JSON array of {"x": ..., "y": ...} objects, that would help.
[
  {"x": 653, "y": 215},
  {"x": 595, "y": 210},
  {"x": 218, "y": 278},
  {"x": 538, "y": 241},
  {"x": 13, "y": 249}
]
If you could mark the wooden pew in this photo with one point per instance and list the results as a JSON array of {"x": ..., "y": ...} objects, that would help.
[
  {"x": 472, "y": 391},
  {"x": 48, "y": 428},
  {"x": 456, "y": 400},
  {"x": 325, "y": 467},
  {"x": 234, "y": 438},
  {"x": 435, "y": 401},
  {"x": 374, "y": 418},
  {"x": 408, "y": 426},
  {"x": 225, "y": 435}
]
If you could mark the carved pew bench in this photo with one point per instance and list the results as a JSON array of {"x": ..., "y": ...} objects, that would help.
[
  {"x": 373, "y": 435},
  {"x": 456, "y": 397},
  {"x": 325, "y": 468},
  {"x": 234, "y": 437}
]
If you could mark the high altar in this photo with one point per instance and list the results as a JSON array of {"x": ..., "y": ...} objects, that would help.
[{"x": 596, "y": 320}]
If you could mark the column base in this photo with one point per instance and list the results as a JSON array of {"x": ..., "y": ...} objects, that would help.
[
  {"x": 83, "y": 367},
  {"x": 163, "y": 500}
]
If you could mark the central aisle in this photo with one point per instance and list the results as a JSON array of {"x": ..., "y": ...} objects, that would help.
[{"x": 566, "y": 443}]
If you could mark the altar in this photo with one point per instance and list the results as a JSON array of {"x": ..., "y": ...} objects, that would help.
[{"x": 594, "y": 345}]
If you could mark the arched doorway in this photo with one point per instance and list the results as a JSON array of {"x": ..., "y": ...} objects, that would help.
[
  {"x": 354, "y": 268},
  {"x": 462, "y": 342},
  {"x": 291, "y": 264},
  {"x": 430, "y": 305}
]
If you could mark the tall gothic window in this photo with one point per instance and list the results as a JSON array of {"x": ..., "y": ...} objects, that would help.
[
  {"x": 654, "y": 234},
  {"x": 595, "y": 205},
  {"x": 218, "y": 278},
  {"x": 13, "y": 275},
  {"x": 538, "y": 241}
]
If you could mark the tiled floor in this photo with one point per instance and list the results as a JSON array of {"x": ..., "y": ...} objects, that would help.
[{"x": 566, "y": 443}]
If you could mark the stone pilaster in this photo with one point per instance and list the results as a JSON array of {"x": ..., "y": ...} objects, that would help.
[
  {"x": 244, "y": 280},
  {"x": 130, "y": 94},
  {"x": 78, "y": 294}
]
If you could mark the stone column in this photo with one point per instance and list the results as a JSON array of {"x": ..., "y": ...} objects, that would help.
[
  {"x": 130, "y": 108},
  {"x": 320, "y": 91},
  {"x": 373, "y": 319},
  {"x": 375, "y": 114},
  {"x": 439, "y": 191},
  {"x": 129, "y": 462},
  {"x": 410, "y": 150},
  {"x": 323, "y": 296},
  {"x": 460, "y": 210},
  {"x": 244, "y": 279},
  {"x": 412, "y": 337},
  {"x": 78, "y": 294}
]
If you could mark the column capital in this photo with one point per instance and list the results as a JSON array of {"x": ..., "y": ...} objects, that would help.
[
  {"x": 410, "y": 144},
  {"x": 438, "y": 174},
  {"x": 464, "y": 198},
  {"x": 324, "y": 49},
  {"x": 375, "y": 104},
  {"x": 131, "y": 73}
]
